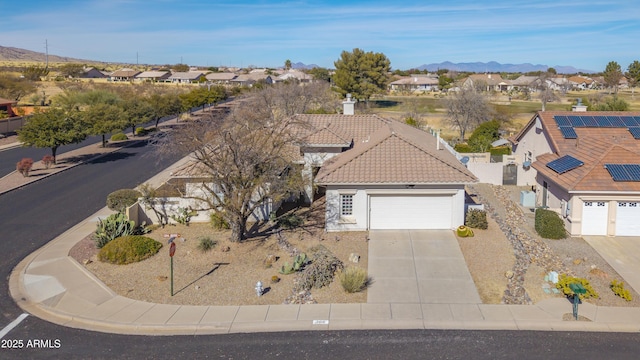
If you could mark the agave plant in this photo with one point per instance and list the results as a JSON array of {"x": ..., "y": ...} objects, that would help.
[{"x": 113, "y": 226}]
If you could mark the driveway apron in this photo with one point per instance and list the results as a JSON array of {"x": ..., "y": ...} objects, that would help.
[
  {"x": 622, "y": 253},
  {"x": 418, "y": 266}
]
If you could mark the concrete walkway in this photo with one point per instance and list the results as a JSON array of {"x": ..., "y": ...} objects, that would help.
[{"x": 420, "y": 282}]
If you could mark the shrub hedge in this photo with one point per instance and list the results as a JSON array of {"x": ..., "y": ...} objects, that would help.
[
  {"x": 549, "y": 225},
  {"x": 128, "y": 249},
  {"x": 119, "y": 137},
  {"x": 122, "y": 199},
  {"x": 476, "y": 219}
]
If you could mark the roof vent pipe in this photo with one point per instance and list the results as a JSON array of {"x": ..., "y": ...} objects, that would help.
[{"x": 438, "y": 140}]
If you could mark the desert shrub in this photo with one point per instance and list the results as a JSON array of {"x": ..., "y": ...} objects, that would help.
[
  {"x": 476, "y": 219},
  {"x": 122, "y": 199},
  {"x": 206, "y": 243},
  {"x": 114, "y": 226},
  {"x": 463, "y": 148},
  {"x": 299, "y": 262},
  {"x": 140, "y": 131},
  {"x": 119, "y": 137},
  {"x": 128, "y": 249},
  {"x": 47, "y": 160},
  {"x": 275, "y": 279},
  {"x": 183, "y": 215},
  {"x": 353, "y": 279},
  {"x": 290, "y": 221},
  {"x": 618, "y": 288},
  {"x": 549, "y": 225},
  {"x": 565, "y": 280},
  {"x": 321, "y": 271},
  {"x": 24, "y": 166},
  {"x": 218, "y": 221}
]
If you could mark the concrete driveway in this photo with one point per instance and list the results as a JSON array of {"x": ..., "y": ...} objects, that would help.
[
  {"x": 622, "y": 253},
  {"x": 418, "y": 267}
]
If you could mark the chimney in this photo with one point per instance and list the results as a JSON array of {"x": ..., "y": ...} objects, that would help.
[
  {"x": 348, "y": 106},
  {"x": 579, "y": 107},
  {"x": 438, "y": 140}
]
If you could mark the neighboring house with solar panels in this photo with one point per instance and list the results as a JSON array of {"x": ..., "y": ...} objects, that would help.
[{"x": 586, "y": 167}]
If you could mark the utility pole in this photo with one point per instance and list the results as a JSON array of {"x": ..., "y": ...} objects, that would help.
[
  {"x": 137, "y": 58},
  {"x": 46, "y": 56}
]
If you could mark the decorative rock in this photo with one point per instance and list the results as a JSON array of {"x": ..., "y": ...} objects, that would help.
[
  {"x": 355, "y": 258},
  {"x": 87, "y": 261},
  {"x": 508, "y": 274},
  {"x": 225, "y": 249},
  {"x": 269, "y": 260},
  {"x": 577, "y": 261}
]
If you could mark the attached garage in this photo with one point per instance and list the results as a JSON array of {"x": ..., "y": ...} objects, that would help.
[
  {"x": 410, "y": 212},
  {"x": 595, "y": 216},
  {"x": 628, "y": 218}
]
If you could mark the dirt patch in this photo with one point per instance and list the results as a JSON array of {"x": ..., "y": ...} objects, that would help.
[{"x": 221, "y": 276}]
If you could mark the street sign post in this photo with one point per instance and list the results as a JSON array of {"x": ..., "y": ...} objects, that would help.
[{"x": 172, "y": 251}]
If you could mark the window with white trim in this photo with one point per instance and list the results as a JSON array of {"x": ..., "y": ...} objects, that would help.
[{"x": 346, "y": 205}]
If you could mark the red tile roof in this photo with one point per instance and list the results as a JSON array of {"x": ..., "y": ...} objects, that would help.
[{"x": 593, "y": 146}]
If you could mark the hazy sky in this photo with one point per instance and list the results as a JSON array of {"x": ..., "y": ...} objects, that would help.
[{"x": 586, "y": 34}]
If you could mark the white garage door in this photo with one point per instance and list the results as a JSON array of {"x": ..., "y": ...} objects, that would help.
[
  {"x": 594, "y": 217},
  {"x": 628, "y": 219},
  {"x": 410, "y": 212}
]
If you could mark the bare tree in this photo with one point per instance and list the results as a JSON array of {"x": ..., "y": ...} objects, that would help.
[
  {"x": 546, "y": 92},
  {"x": 246, "y": 159},
  {"x": 466, "y": 109}
]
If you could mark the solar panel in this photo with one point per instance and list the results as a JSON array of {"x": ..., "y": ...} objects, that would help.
[
  {"x": 635, "y": 131},
  {"x": 624, "y": 172},
  {"x": 576, "y": 121},
  {"x": 568, "y": 132},
  {"x": 564, "y": 164},
  {"x": 629, "y": 120},
  {"x": 562, "y": 121},
  {"x": 589, "y": 121},
  {"x": 602, "y": 121},
  {"x": 616, "y": 121}
]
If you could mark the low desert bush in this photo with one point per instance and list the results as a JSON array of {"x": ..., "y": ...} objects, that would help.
[
  {"x": 353, "y": 279},
  {"x": 290, "y": 221},
  {"x": 218, "y": 221},
  {"x": 618, "y": 288},
  {"x": 122, "y": 199},
  {"x": 565, "y": 280},
  {"x": 476, "y": 219},
  {"x": 24, "y": 166},
  {"x": 119, "y": 137},
  {"x": 321, "y": 271},
  {"x": 206, "y": 244},
  {"x": 129, "y": 249},
  {"x": 549, "y": 225},
  {"x": 140, "y": 131},
  {"x": 47, "y": 161},
  {"x": 463, "y": 148}
]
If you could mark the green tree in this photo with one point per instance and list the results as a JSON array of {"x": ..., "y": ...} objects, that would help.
[
  {"x": 136, "y": 111},
  {"x": 612, "y": 75},
  {"x": 633, "y": 75},
  {"x": 35, "y": 73},
  {"x": 103, "y": 119},
  {"x": 320, "y": 73},
  {"x": 361, "y": 74},
  {"x": 71, "y": 70},
  {"x": 287, "y": 64},
  {"x": 482, "y": 137},
  {"x": 52, "y": 129},
  {"x": 14, "y": 88},
  {"x": 466, "y": 109},
  {"x": 164, "y": 105},
  {"x": 611, "y": 103}
]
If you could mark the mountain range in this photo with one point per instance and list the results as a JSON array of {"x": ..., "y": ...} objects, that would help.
[
  {"x": 17, "y": 54},
  {"x": 495, "y": 67}
]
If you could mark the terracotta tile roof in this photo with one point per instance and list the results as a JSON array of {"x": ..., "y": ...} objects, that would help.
[
  {"x": 125, "y": 72},
  {"x": 7, "y": 101},
  {"x": 327, "y": 136},
  {"x": 354, "y": 128},
  {"x": 395, "y": 154},
  {"x": 593, "y": 146}
]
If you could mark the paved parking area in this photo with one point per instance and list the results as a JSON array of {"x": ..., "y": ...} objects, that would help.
[
  {"x": 418, "y": 267},
  {"x": 622, "y": 253}
]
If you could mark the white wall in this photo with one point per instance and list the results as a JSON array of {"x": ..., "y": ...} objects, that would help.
[
  {"x": 536, "y": 142},
  {"x": 490, "y": 173}
]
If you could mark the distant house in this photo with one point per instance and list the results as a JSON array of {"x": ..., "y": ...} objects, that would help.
[
  {"x": 7, "y": 106},
  {"x": 93, "y": 73},
  {"x": 586, "y": 167},
  {"x": 124, "y": 75},
  {"x": 530, "y": 83},
  {"x": 487, "y": 82},
  {"x": 251, "y": 78},
  {"x": 153, "y": 76},
  {"x": 416, "y": 83},
  {"x": 296, "y": 75},
  {"x": 222, "y": 78},
  {"x": 188, "y": 77},
  {"x": 579, "y": 82}
]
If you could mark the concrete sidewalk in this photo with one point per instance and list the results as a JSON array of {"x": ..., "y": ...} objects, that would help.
[{"x": 51, "y": 285}]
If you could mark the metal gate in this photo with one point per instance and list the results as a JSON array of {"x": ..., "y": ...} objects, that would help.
[{"x": 510, "y": 174}]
